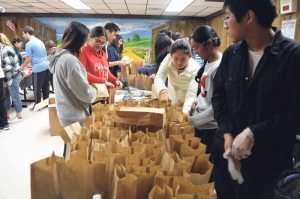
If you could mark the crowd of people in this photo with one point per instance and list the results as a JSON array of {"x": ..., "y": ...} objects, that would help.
[{"x": 243, "y": 103}]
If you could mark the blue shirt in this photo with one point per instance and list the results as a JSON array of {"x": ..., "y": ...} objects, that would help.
[{"x": 35, "y": 48}]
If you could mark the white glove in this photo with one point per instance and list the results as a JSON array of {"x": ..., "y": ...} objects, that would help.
[
  {"x": 234, "y": 167},
  {"x": 242, "y": 144}
]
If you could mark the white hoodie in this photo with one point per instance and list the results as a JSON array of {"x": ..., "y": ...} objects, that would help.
[{"x": 182, "y": 85}]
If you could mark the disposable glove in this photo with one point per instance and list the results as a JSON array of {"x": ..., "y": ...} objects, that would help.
[
  {"x": 242, "y": 144},
  {"x": 234, "y": 167}
]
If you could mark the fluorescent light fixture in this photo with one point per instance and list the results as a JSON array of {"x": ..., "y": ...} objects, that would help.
[
  {"x": 178, "y": 5},
  {"x": 77, "y": 4},
  {"x": 2, "y": 9}
]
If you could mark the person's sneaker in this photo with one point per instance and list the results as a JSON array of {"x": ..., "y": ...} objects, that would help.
[
  {"x": 15, "y": 120},
  {"x": 4, "y": 128}
]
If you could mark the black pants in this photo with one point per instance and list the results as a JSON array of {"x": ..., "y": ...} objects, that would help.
[
  {"x": 3, "y": 113},
  {"x": 260, "y": 172},
  {"x": 41, "y": 82},
  {"x": 207, "y": 137}
]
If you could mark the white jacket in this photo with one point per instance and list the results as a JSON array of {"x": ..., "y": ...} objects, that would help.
[{"x": 181, "y": 84}]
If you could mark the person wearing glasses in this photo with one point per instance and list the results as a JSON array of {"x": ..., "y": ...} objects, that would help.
[
  {"x": 95, "y": 60},
  {"x": 205, "y": 42},
  {"x": 256, "y": 103}
]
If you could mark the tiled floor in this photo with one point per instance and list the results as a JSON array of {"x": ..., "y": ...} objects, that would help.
[{"x": 24, "y": 143}]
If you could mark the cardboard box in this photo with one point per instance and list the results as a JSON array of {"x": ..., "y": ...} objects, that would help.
[
  {"x": 141, "y": 116},
  {"x": 54, "y": 123}
]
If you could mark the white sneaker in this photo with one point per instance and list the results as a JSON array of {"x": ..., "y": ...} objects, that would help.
[{"x": 15, "y": 120}]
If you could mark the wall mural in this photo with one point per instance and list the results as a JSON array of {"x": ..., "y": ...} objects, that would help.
[{"x": 137, "y": 33}]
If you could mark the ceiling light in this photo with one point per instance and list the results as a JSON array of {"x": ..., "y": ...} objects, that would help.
[
  {"x": 77, "y": 4},
  {"x": 2, "y": 9},
  {"x": 178, "y": 5}
]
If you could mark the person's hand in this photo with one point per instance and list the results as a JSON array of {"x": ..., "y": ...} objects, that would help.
[
  {"x": 193, "y": 107},
  {"x": 152, "y": 76},
  {"x": 234, "y": 167},
  {"x": 228, "y": 140},
  {"x": 109, "y": 85},
  {"x": 164, "y": 96},
  {"x": 123, "y": 64},
  {"x": 243, "y": 144},
  {"x": 119, "y": 84}
]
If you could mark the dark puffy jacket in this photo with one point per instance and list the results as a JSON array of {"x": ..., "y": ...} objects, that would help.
[{"x": 268, "y": 102}]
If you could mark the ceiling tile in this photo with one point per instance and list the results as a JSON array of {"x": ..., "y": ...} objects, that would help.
[
  {"x": 208, "y": 11},
  {"x": 19, "y": 10},
  {"x": 160, "y": 2},
  {"x": 60, "y": 5},
  {"x": 136, "y": 1},
  {"x": 194, "y": 9},
  {"x": 187, "y": 13},
  {"x": 171, "y": 13},
  {"x": 87, "y": 11},
  {"x": 92, "y": 1},
  {"x": 114, "y": 1},
  {"x": 207, "y": 3},
  {"x": 101, "y": 6},
  {"x": 153, "y": 13},
  {"x": 39, "y": 5},
  {"x": 6, "y": 6},
  {"x": 119, "y": 6},
  {"x": 106, "y": 11},
  {"x": 120, "y": 12},
  {"x": 36, "y": 10},
  {"x": 137, "y": 12},
  {"x": 32, "y": 1},
  {"x": 55, "y": 10},
  {"x": 136, "y": 7},
  {"x": 69, "y": 10},
  {"x": 17, "y": 4}
]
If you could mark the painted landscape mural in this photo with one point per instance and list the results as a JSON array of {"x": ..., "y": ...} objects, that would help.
[{"x": 137, "y": 33}]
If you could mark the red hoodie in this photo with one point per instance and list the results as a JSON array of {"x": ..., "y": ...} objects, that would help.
[{"x": 96, "y": 66}]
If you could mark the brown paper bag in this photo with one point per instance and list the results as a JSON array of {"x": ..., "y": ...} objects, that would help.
[
  {"x": 201, "y": 170},
  {"x": 158, "y": 192},
  {"x": 69, "y": 132},
  {"x": 192, "y": 149},
  {"x": 44, "y": 181},
  {"x": 131, "y": 80},
  {"x": 81, "y": 179},
  {"x": 124, "y": 185},
  {"x": 139, "y": 81}
]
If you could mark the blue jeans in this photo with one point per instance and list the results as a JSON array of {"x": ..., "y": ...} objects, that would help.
[{"x": 13, "y": 92}]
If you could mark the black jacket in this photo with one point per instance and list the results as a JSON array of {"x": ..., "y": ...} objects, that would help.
[{"x": 268, "y": 102}]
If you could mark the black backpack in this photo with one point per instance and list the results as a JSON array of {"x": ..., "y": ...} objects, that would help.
[{"x": 289, "y": 185}]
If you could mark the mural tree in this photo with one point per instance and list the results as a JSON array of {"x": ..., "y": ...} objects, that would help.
[{"x": 136, "y": 37}]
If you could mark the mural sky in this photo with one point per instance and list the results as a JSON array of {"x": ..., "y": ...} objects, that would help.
[{"x": 128, "y": 27}]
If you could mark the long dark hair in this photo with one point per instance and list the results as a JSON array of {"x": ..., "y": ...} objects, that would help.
[
  {"x": 75, "y": 35},
  {"x": 161, "y": 47},
  {"x": 201, "y": 35},
  {"x": 115, "y": 44}
]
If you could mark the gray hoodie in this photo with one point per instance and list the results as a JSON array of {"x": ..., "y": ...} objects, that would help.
[{"x": 73, "y": 94}]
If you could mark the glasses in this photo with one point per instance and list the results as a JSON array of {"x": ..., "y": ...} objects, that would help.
[
  {"x": 99, "y": 42},
  {"x": 225, "y": 23}
]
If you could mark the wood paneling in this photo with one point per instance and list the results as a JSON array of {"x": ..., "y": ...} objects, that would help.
[{"x": 41, "y": 30}]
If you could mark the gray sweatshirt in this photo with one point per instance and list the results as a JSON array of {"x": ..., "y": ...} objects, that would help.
[{"x": 73, "y": 94}]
